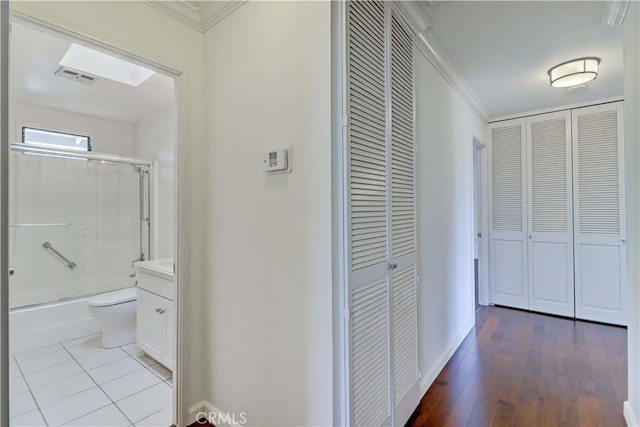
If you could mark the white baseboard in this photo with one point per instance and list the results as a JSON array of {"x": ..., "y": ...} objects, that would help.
[
  {"x": 216, "y": 416},
  {"x": 430, "y": 377},
  {"x": 629, "y": 415}
]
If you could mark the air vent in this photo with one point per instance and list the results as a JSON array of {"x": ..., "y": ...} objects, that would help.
[{"x": 69, "y": 74}]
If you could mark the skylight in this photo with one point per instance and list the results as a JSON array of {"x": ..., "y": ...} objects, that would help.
[{"x": 100, "y": 64}]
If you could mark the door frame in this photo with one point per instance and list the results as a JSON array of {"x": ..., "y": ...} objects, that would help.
[
  {"x": 479, "y": 219},
  {"x": 179, "y": 221},
  {"x": 4, "y": 213}
]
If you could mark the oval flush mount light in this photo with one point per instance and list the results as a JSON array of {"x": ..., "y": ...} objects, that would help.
[{"x": 574, "y": 72}]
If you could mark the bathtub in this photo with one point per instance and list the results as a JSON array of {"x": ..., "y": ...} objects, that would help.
[{"x": 50, "y": 323}]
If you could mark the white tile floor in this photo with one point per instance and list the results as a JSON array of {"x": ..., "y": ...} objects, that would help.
[{"x": 78, "y": 383}]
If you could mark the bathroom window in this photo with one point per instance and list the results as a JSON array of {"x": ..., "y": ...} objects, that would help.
[{"x": 56, "y": 140}]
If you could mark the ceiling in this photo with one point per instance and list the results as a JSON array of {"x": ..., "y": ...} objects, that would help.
[
  {"x": 504, "y": 49},
  {"x": 35, "y": 56}
]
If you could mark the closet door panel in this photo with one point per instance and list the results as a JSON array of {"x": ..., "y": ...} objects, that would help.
[
  {"x": 507, "y": 213},
  {"x": 368, "y": 334},
  {"x": 595, "y": 294},
  {"x": 404, "y": 319},
  {"x": 600, "y": 227},
  {"x": 550, "y": 214},
  {"x": 551, "y": 267}
]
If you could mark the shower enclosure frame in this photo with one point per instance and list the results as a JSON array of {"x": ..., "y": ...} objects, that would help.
[{"x": 135, "y": 162}]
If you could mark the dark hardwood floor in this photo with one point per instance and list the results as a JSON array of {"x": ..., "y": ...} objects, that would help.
[{"x": 517, "y": 368}]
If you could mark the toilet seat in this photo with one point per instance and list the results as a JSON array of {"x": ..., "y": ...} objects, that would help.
[{"x": 120, "y": 296}]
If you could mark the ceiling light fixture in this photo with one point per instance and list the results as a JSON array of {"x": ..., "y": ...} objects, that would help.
[
  {"x": 574, "y": 72},
  {"x": 97, "y": 63}
]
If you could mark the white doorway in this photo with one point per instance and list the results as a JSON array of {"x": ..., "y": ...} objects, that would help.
[
  {"x": 103, "y": 210},
  {"x": 478, "y": 236}
]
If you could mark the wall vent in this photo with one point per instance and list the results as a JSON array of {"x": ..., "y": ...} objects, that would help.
[{"x": 69, "y": 74}]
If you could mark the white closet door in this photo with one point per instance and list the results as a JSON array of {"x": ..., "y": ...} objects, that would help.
[
  {"x": 404, "y": 311},
  {"x": 367, "y": 216},
  {"x": 600, "y": 228},
  {"x": 507, "y": 241},
  {"x": 550, "y": 216}
]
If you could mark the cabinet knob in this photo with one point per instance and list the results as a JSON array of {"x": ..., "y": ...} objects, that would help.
[{"x": 160, "y": 310}]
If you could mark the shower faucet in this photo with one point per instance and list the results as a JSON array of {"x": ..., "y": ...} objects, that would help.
[{"x": 140, "y": 258}]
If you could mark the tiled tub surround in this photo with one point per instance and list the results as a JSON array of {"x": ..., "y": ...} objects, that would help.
[{"x": 78, "y": 383}]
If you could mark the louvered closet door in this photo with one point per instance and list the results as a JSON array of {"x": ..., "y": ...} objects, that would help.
[
  {"x": 550, "y": 214},
  {"x": 404, "y": 314},
  {"x": 507, "y": 240},
  {"x": 367, "y": 203},
  {"x": 382, "y": 337},
  {"x": 600, "y": 232}
]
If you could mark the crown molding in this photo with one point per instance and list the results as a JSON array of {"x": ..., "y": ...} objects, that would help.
[
  {"x": 417, "y": 18},
  {"x": 201, "y": 17},
  {"x": 615, "y": 12},
  {"x": 210, "y": 14}
]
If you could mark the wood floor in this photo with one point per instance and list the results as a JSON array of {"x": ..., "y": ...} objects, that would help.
[{"x": 524, "y": 369}]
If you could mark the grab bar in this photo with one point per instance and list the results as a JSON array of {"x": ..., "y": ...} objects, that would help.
[
  {"x": 49, "y": 247},
  {"x": 57, "y": 224}
]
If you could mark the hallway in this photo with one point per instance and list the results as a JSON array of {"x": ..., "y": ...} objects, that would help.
[{"x": 526, "y": 369}]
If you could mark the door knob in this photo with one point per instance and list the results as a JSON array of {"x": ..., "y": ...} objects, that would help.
[{"x": 12, "y": 271}]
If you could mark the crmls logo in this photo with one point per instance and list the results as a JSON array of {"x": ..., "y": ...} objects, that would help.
[{"x": 224, "y": 418}]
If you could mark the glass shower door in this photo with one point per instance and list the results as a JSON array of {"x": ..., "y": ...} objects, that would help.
[
  {"x": 75, "y": 226},
  {"x": 44, "y": 209},
  {"x": 111, "y": 226}
]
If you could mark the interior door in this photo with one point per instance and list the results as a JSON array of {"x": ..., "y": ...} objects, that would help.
[
  {"x": 4, "y": 213},
  {"x": 383, "y": 329},
  {"x": 404, "y": 310},
  {"x": 507, "y": 212},
  {"x": 599, "y": 222},
  {"x": 367, "y": 221},
  {"x": 550, "y": 216}
]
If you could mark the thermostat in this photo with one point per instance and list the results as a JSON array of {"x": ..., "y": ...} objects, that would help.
[{"x": 277, "y": 161}]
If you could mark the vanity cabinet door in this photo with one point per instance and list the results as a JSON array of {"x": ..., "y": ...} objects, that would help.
[
  {"x": 150, "y": 324},
  {"x": 168, "y": 333}
]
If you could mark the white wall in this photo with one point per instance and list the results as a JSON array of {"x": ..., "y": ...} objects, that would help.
[
  {"x": 445, "y": 129},
  {"x": 141, "y": 30},
  {"x": 632, "y": 166},
  {"x": 107, "y": 136},
  {"x": 269, "y": 299},
  {"x": 154, "y": 140}
]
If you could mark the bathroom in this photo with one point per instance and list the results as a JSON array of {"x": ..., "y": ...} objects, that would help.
[{"x": 92, "y": 289}]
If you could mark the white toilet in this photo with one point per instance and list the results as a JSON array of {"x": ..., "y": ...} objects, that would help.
[{"x": 117, "y": 312}]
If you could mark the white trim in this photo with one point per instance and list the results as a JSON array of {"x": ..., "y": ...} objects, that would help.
[
  {"x": 214, "y": 415},
  {"x": 210, "y": 17},
  {"x": 629, "y": 415},
  {"x": 430, "y": 377},
  {"x": 414, "y": 15},
  {"x": 26, "y": 19},
  {"x": 419, "y": 21},
  {"x": 41, "y": 24},
  {"x": 615, "y": 12},
  {"x": 179, "y": 11},
  {"x": 199, "y": 18},
  {"x": 556, "y": 109},
  {"x": 439, "y": 59}
]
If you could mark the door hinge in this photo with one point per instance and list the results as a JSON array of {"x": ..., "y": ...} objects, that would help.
[
  {"x": 346, "y": 314},
  {"x": 344, "y": 121},
  {"x": 417, "y": 278},
  {"x": 415, "y": 149}
]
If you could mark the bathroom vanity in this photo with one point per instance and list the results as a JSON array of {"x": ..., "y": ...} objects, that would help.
[{"x": 155, "y": 318}]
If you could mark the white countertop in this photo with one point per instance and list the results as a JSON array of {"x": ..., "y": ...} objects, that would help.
[{"x": 162, "y": 268}]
